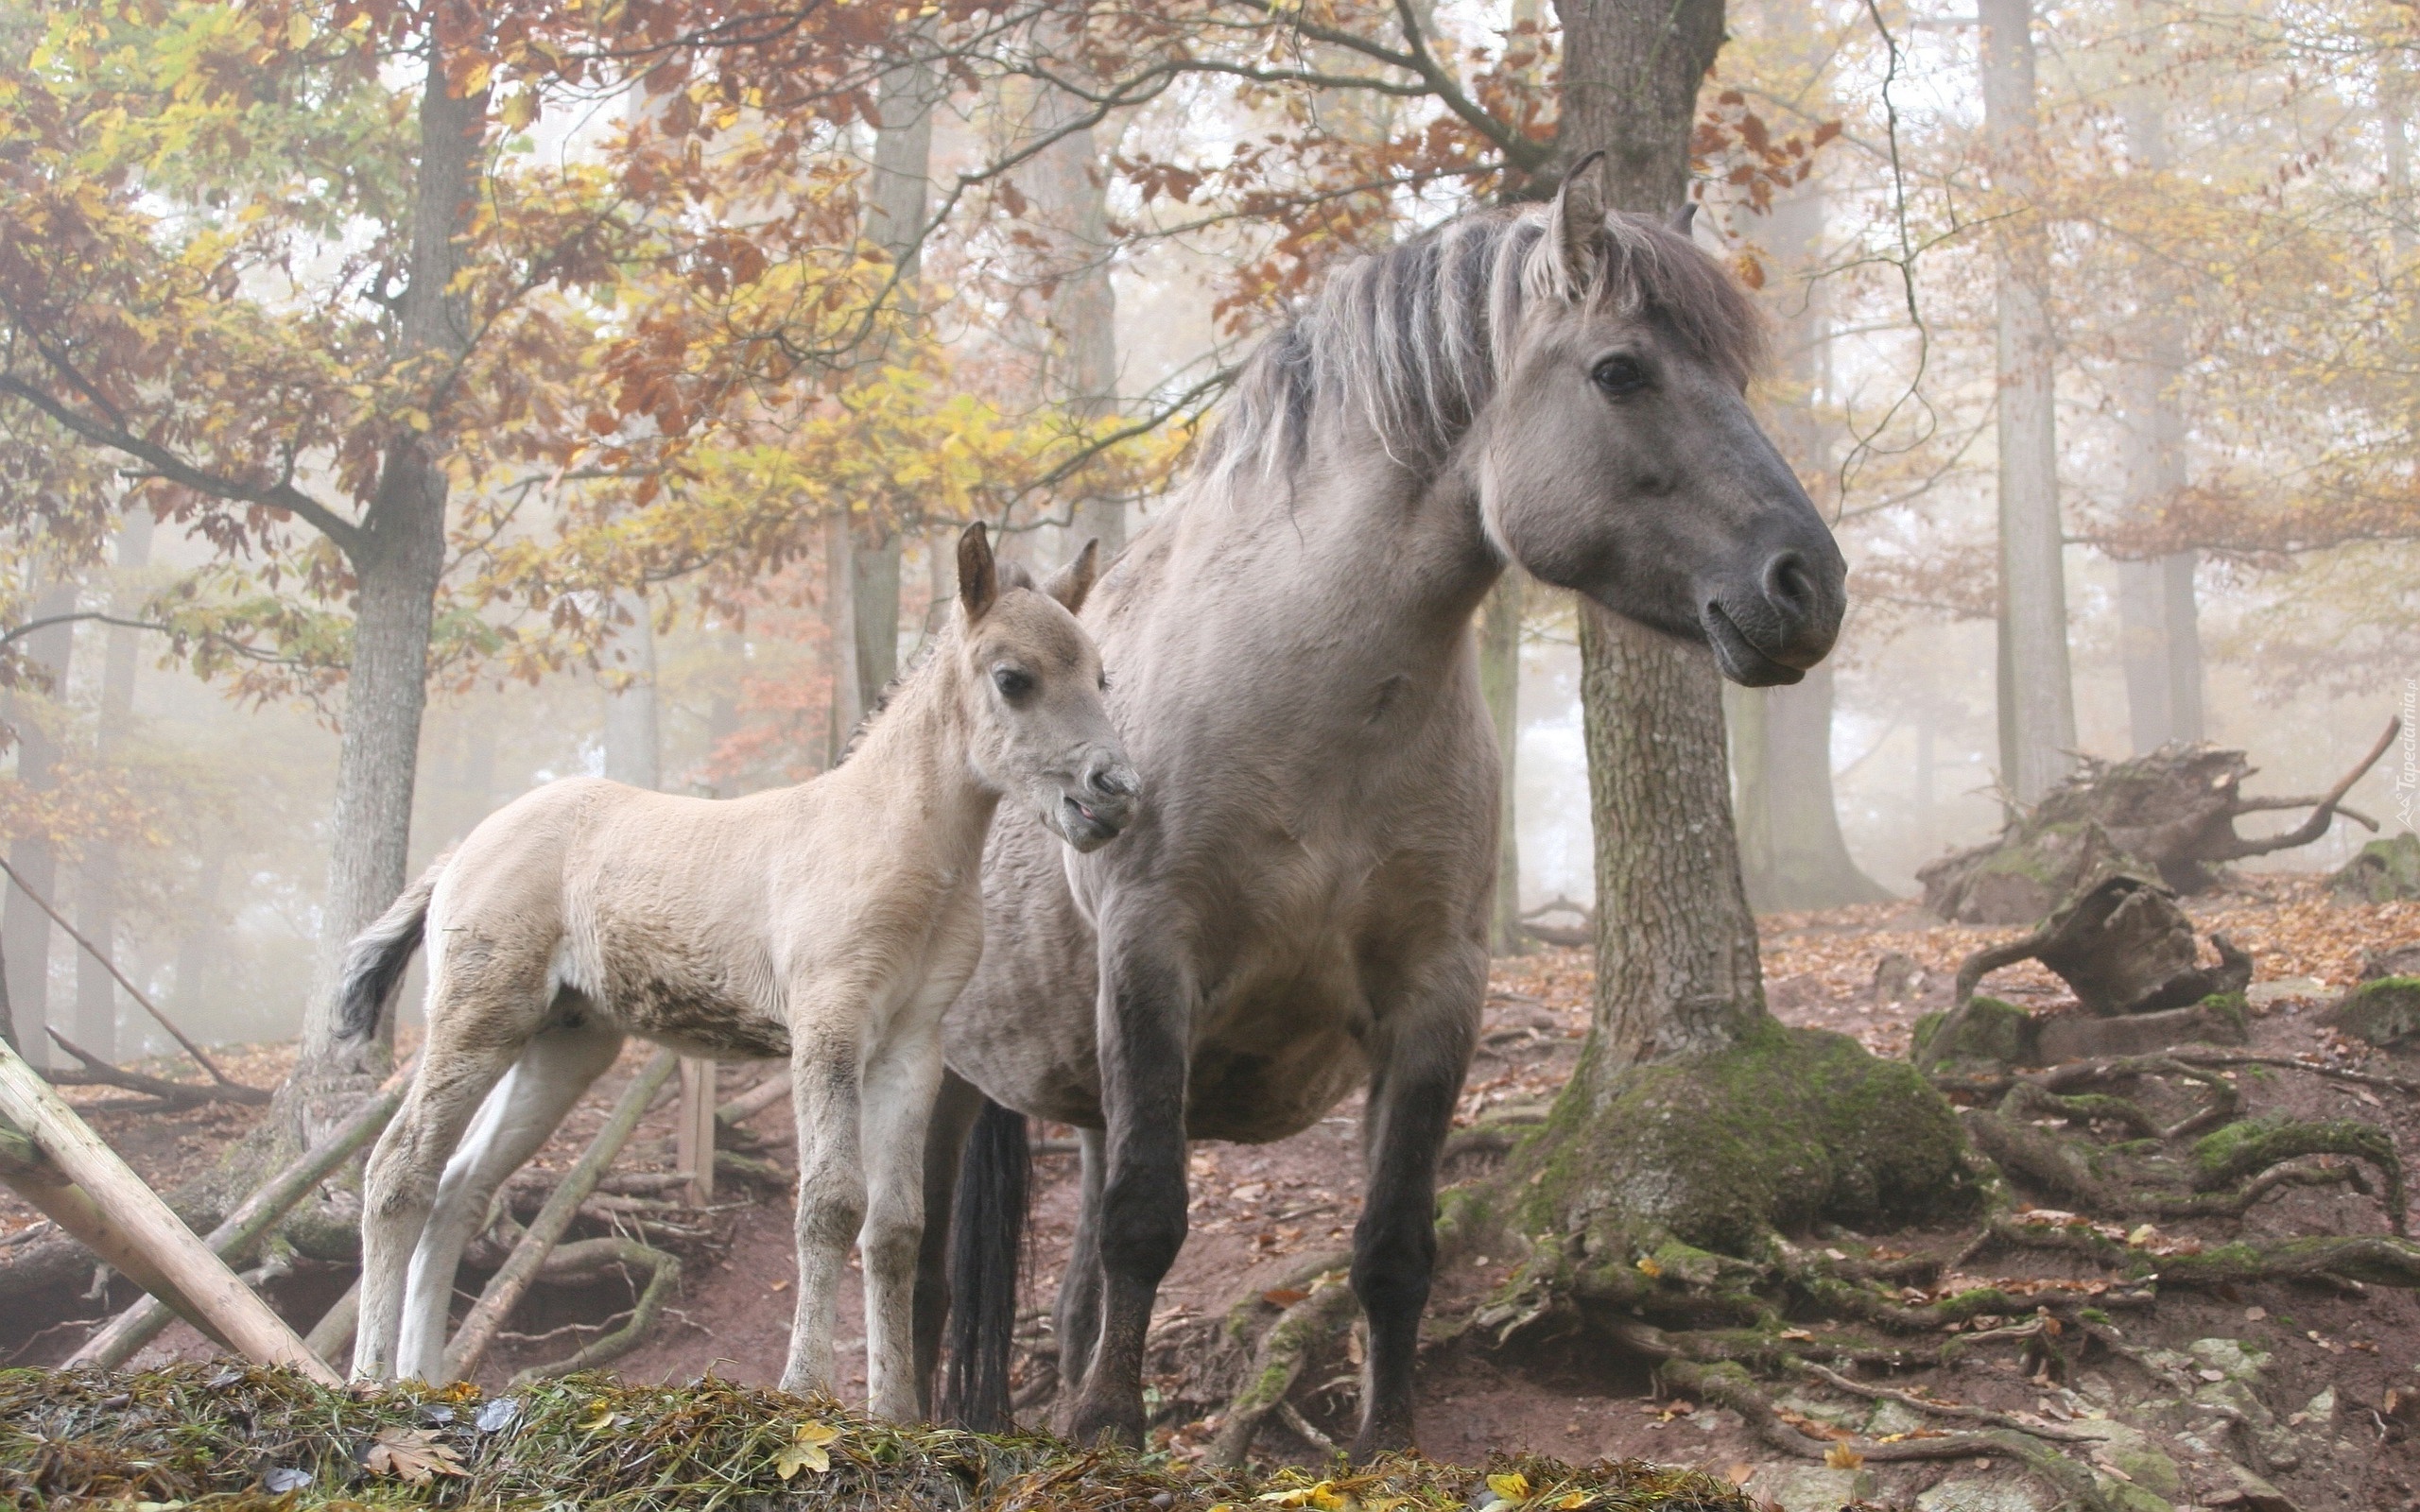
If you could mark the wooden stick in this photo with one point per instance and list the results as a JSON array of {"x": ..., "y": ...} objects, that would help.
[
  {"x": 693, "y": 1132},
  {"x": 507, "y": 1287},
  {"x": 241, "y": 1092},
  {"x": 236, "y": 1235},
  {"x": 772, "y": 1089},
  {"x": 183, "y": 1262},
  {"x": 32, "y": 1176},
  {"x": 170, "y": 1095}
]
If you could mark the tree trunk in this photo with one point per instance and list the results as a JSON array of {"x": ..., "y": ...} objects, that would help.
[
  {"x": 97, "y": 885},
  {"x": 1068, "y": 184},
  {"x": 25, "y": 929},
  {"x": 632, "y": 743},
  {"x": 2159, "y": 632},
  {"x": 2040, "y": 698},
  {"x": 1499, "y": 680},
  {"x": 398, "y": 555}
]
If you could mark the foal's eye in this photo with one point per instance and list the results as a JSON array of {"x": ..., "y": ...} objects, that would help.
[
  {"x": 1012, "y": 683},
  {"x": 1620, "y": 376}
]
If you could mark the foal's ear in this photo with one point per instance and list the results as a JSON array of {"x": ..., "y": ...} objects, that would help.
[
  {"x": 1683, "y": 218},
  {"x": 979, "y": 577},
  {"x": 1579, "y": 224},
  {"x": 1070, "y": 585}
]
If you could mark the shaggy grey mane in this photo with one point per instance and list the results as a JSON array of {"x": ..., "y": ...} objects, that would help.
[{"x": 1418, "y": 337}]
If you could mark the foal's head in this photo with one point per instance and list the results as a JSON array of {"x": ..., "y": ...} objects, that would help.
[
  {"x": 1619, "y": 457},
  {"x": 1030, "y": 684}
]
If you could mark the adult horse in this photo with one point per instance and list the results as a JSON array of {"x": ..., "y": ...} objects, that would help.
[{"x": 1302, "y": 907}]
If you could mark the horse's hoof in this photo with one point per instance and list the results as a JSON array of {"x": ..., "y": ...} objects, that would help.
[{"x": 1379, "y": 1439}]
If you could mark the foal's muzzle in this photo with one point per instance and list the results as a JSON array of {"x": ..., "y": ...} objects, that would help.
[
  {"x": 1772, "y": 631},
  {"x": 1100, "y": 806}
]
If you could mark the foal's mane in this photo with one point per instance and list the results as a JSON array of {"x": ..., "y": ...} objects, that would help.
[{"x": 1418, "y": 337}]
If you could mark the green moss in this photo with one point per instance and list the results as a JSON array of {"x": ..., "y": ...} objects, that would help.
[
  {"x": 1787, "y": 1127},
  {"x": 2382, "y": 1012},
  {"x": 2383, "y": 872},
  {"x": 2231, "y": 1010},
  {"x": 1993, "y": 1035}
]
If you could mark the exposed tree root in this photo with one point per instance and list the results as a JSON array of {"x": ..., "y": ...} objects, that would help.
[
  {"x": 586, "y": 1259},
  {"x": 1284, "y": 1352}
]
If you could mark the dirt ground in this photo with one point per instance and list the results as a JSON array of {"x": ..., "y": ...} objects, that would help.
[{"x": 2321, "y": 1372}]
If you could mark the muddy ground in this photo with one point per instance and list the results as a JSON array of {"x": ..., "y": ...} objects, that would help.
[{"x": 2297, "y": 1385}]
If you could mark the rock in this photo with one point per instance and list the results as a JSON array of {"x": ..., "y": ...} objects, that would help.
[
  {"x": 2261, "y": 994},
  {"x": 2398, "y": 960},
  {"x": 1816, "y": 1487},
  {"x": 2320, "y": 1412},
  {"x": 1992, "y": 1034},
  {"x": 2248, "y": 1493},
  {"x": 2017, "y": 880},
  {"x": 1892, "y": 1417},
  {"x": 1840, "y": 1415},
  {"x": 2385, "y": 1012},
  {"x": 1982, "y": 1493},
  {"x": 2141, "y": 1463},
  {"x": 2230, "y": 1358},
  {"x": 2383, "y": 872},
  {"x": 1897, "y": 978}
]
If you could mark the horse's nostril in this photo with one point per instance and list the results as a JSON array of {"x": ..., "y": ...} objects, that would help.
[
  {"x": 1110, "y": 782},
  {"x": 1789, "y": 585}
]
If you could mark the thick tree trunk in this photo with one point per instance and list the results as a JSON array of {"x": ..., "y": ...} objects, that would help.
[
  {"x": 1499, "y": 680},
  {"x": 633, "y": 738},
  {"x": 1068, "y": 184},
  {"x": 2159, "y": 634},
  {"x": 2039, "y": 700},
  {"x": 398, "y": 554},
  {"x": 97, "y": 885},
  {"x": 25, "y": 929},
  {"x": 1791, "y": 853}
]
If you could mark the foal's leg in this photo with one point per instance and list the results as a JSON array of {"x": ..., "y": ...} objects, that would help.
[
  {"x": 517, "y": 1117},
  {"x": 1076, "y": 1318},
  {"x": 1421, "y": 1050},
  {"x": 831, "y": 1179},
  {"x": 900, "y": 1081},
  {"x": 1146, "y": 1006},
  {"x": 399, "y": 1187}
]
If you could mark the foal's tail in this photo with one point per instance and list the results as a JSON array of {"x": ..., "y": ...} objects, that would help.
[
  {"x": 374, "y": 962},
  {"x": 987, "y": 1237}
]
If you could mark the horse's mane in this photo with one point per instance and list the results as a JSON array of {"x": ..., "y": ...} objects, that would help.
[{"x": 1418, "y": 337}]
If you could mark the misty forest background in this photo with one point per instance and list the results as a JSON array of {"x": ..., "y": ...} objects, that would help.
[{"x": 737, "y": 364}]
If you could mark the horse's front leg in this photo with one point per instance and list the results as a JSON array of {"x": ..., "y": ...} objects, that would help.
[
  {"x": 1421, "y": 1050},
  {"x": 824, "y": 1038},
  {"x": 900, "y": 1083},
  {"x": 1144, "y": 1011}
]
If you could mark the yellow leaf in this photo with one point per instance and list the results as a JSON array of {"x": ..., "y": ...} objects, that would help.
[
  {"x": 476, "y": 81},
  {"x": 1572, "y": 1501},
  {"x": 1842, "y": 1457},
  {"x": 1650, "y": 1266},
  {"x": 298, "y": 30},
  {"x": 601, "y": 1415},
  {"x": 805, "y": 1451},
  {"x": 520, "y": 109},
  {"x": 1512, "y": 1487}
]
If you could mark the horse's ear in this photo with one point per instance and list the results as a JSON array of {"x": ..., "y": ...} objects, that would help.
[
  {"x": 1072, "y": 583},
  {"x": 979, "y": 577},
  {"x": 1683, "y": 218},
  {"x": 1578, "y": 223}
]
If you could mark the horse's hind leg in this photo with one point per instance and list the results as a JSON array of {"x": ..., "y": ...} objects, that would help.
[
  {"x": 516, "y": 1119},
  {"x": 954, "y": 1109},
  {"x": 399, "y": 1187},
  {"x": 1421, "y": 1050},
  {"x": 1075, "y": 1320}
]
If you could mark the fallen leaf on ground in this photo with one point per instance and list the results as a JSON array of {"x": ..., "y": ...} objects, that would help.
[{"x": 412, "y": 1455}]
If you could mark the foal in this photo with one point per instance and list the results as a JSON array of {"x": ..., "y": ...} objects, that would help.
[{"x": 830, "y": 924}]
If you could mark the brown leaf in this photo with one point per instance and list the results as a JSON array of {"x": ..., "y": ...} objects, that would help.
[
  {"x": 412, "y": 1455},
  {"x": 1283, "y": 1295}
]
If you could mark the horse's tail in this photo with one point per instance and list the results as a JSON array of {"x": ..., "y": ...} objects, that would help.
[
  {"x": 987, "y": 1238},
  {"x": 374, "y": 962}
]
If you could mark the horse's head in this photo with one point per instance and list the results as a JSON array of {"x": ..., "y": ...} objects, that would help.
[
  {"x": 1619, "y": 458},
  {"x": 1030, "y": 684}
]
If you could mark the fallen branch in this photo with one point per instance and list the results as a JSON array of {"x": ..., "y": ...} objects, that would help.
[
  {"x": 167, "y": 1096},
  {"x": 576, "y": 1261},
  {"x": 236, "y": 1091},
  {"x": 184, "y": 1263},
  {"x": 507, "y": 1287},
  {"x": 234, "y": 1238},
  {"x": 1956, "y": 1411},
  {"x": 2321, "y": 815}
]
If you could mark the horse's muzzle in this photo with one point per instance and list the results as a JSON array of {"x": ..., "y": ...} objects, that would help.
[
  {"x": 1093, "y": 815},
  {"x": 1772, "y": 633}
]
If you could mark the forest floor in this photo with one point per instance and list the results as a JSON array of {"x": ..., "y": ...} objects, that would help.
[{"x": 2329, "y": 1376}]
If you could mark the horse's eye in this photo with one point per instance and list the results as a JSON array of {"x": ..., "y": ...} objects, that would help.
[
  {"x": 1012, "y": 683},
  {"x": 1620, "y": 376}
]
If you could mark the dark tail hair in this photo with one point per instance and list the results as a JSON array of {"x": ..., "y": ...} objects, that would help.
[
  {"x": 986, "y": 1241},
  {"x": 374, "y": 962}
]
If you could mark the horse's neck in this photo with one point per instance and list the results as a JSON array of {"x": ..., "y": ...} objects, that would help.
[{"x": 912, "y": 766}]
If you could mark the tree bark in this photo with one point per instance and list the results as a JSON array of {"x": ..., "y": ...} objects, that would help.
[
  {"x": 2159, "y": 632},
  {"x": 397, "y": 555},
  {"x": 1068, "y": 184},
  {"x": 1499, "y": 680},
  {"x": 633, "y": 742},
  {"x": 25, "y": 929},
  {"x": 2039, "y": 696},
  {"x": 97, "y": 879}
]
